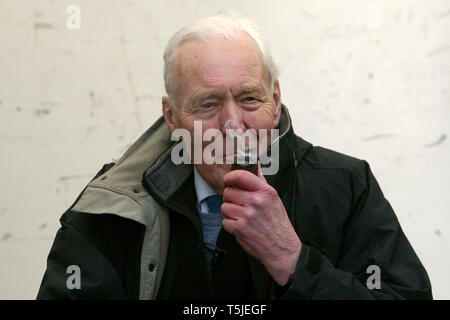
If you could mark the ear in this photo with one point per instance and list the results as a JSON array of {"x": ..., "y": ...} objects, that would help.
[
  {"x": 168, "y": 113},
  {"x": 277, "y": 98}
]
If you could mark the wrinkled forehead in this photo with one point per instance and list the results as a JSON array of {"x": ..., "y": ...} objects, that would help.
[{"x": 219, "y": 63}]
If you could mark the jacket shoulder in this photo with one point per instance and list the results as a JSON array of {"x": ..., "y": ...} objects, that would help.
[
  {"x": 322, "y": 158},
  {"x": 333, "y": 166}
]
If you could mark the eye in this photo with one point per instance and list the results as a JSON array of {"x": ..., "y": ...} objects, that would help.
[
  {"x": 209, "y": 105},
  {"x": 250, "y": 103},
  {"x": 249, "y": 99}
]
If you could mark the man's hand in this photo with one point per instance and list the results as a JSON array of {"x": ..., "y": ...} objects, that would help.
[{"x": 255, "y": 215}]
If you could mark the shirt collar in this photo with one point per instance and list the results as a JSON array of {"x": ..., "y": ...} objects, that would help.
[{"x": 203, "y": 190}]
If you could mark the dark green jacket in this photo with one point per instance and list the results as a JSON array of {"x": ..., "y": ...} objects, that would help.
[{"x": 118, "y": 229}]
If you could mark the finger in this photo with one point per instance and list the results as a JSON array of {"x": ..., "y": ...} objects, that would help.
[
  {"x": 236, "y": 195},
  {"x": 232, "y": 211},
  {"x": 230, "y": 226},
  {"x": 244, "y": 180}
]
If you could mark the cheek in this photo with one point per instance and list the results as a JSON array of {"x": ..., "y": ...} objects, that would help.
[
  {"x": 188, "y": 121},
  {"x": 260, "y": 119},
  {"x": 214, "y": 174},
  {"x": 205, "y": 125}
]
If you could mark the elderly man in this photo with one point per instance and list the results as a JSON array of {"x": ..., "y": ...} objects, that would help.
[{"x": 147, "y": 227}]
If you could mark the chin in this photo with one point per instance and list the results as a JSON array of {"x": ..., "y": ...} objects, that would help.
[{"x": 213, "y": 174}]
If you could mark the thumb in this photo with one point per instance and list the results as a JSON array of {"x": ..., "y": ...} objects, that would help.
[{"x": 260, "y": 175}]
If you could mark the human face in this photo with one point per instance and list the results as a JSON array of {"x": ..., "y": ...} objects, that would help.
[{"x": 219, "y": 81}]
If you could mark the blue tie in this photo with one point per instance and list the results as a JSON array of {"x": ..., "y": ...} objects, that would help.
[{"x": 214, "y": 202}]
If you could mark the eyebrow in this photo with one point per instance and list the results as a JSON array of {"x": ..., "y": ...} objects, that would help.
[
  {"x": 255, "y": 90},
  {"x": 196, "y": 100}
]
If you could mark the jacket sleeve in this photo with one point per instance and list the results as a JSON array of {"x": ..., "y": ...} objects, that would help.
[
  {"x": 72, "y": 255},
  {"x": 373, "y": 239},
  {"x": 77, "y": 270}
]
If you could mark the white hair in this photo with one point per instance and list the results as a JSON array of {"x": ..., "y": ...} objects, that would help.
[{"x": 225, "y": 25}]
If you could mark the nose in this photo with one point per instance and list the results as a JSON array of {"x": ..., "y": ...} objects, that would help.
[{"x": 231, "y": 117}]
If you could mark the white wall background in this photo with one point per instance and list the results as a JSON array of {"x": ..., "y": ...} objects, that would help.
[{"x": 366, "y": 78}]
